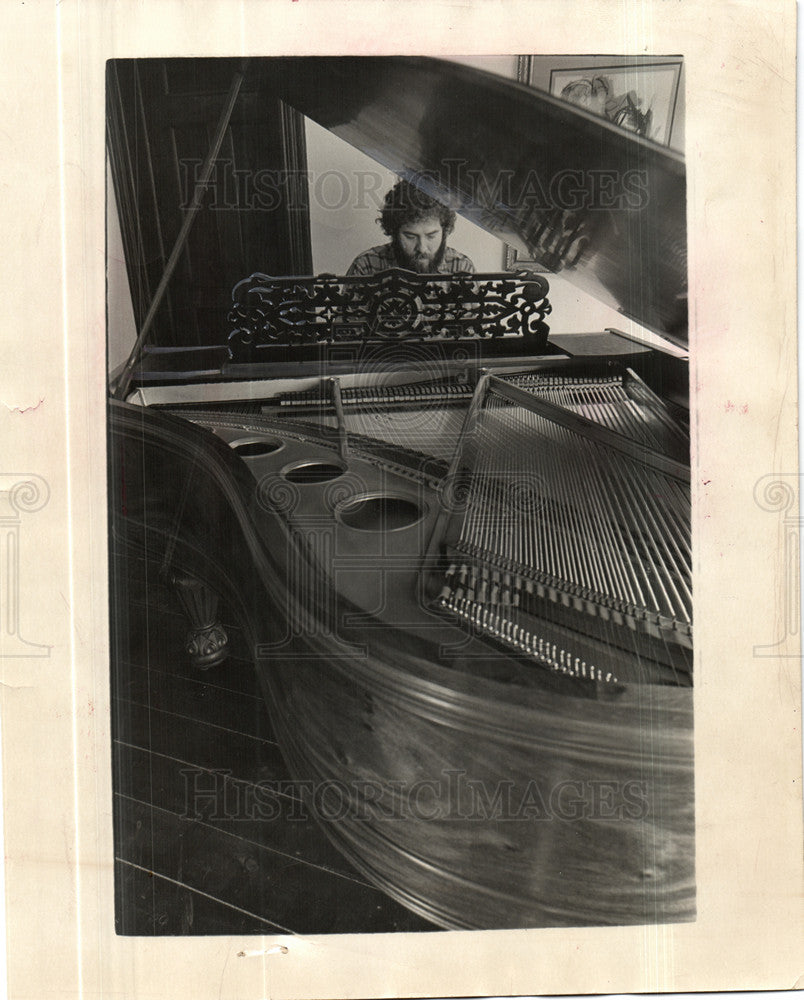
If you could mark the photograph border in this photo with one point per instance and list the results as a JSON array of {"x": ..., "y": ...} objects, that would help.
[{"x": 57, "y": 770}]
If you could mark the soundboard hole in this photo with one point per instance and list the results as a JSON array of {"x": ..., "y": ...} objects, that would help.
[
  {"x": 384, "y": 512},
  {"x": 313, "y": 472},
  {"x": 253, "y": 449}
]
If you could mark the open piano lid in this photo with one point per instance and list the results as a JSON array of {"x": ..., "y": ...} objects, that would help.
[
  {"x": 600, "y": 205},
  {"x": 589, "y": 200}
]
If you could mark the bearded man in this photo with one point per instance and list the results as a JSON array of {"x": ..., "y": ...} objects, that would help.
[{"x": 418, "y": 226}]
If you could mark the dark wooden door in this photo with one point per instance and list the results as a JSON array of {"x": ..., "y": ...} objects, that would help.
[{"x": 162, "y": 116}]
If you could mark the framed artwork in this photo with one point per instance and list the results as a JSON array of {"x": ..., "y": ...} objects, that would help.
[
  {"x": 640, "y": 98},
  {"x": 637, "y": 97}
]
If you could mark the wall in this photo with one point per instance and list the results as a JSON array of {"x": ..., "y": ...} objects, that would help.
[
  {"x": 346, "y": 193},
  {"x": 347, "y": 188}
]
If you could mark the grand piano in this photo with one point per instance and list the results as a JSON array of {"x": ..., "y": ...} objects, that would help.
[{"x": 458, "y": 546}]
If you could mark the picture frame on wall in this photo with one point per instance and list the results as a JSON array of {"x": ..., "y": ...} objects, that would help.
[{"x": 639, "y": 97}]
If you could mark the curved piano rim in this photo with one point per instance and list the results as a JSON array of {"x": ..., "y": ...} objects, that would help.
[{"x": 458, "y": 873}]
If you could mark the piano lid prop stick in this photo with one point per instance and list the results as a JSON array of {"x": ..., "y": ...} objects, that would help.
[{"x": 206, "y": 172}]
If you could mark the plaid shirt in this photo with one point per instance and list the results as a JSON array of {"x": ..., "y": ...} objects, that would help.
[{"x": 382, "y": 257}]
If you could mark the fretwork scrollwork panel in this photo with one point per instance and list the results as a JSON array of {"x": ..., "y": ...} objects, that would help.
[{"x": 270, "y": 315}]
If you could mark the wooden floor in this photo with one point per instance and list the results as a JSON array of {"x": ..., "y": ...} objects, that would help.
[{"x": 205, "y": 840}]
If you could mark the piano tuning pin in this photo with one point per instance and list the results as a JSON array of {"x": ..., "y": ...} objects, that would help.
[{"x": 445, "y": 594}]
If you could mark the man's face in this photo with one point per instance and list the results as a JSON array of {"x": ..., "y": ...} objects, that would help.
[{"x": 420, "y": 245}]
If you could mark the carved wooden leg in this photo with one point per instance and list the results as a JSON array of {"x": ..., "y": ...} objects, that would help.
[{"x": 207, "y": 642}]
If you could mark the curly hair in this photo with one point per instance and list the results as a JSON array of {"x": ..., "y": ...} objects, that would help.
[{"x": 406, "y": 203}]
